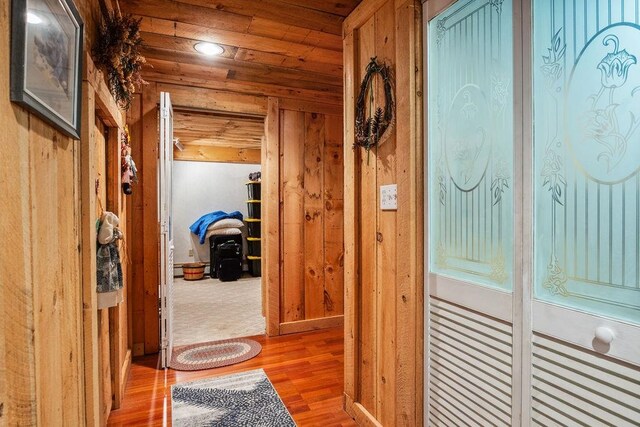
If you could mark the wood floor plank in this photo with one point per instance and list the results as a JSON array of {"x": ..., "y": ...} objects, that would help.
[{"x": 305, "y": 369}]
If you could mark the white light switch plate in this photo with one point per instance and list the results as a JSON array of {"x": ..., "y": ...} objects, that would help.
[{"x": 389, "y": 197}]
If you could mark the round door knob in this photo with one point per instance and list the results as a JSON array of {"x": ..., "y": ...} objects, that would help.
[{"x": 604, "y": 335}]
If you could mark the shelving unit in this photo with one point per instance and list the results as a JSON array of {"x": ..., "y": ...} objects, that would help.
[{"x": 253, "y": 222}]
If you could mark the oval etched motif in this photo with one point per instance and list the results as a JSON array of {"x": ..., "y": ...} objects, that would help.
[
  {"x": 467, "y": 142},
  {"x": 602, "y": 105}
]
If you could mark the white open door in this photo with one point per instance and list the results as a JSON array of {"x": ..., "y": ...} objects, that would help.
[{"x": 166, "y": 232}]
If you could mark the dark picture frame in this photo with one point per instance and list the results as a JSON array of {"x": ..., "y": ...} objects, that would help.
[{"x": 46, "y": 61}]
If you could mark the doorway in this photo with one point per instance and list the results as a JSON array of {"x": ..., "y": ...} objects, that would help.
[{"x": 215, "y": 199}]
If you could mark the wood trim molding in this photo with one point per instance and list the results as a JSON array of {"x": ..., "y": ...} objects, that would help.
[
  {"x": 214, "y": 100},
  {"x": 105, "y": 105},
  {"x": 271, "y": 216},
  {"x": 351, "y": 228},
  {"x": 360, "y": 15},
  {"x": 361, "y": 416},
  {"x": 208, "y": 153},
  {"x": 310, "y": 106},
  {"x": 88, "y": 258},
  {"x": 311, "y": 324}
]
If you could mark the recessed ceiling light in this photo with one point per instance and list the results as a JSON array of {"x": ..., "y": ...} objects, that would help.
[
  {"x": 209, "y": 49},
  {"x": 32, "y": 18}
]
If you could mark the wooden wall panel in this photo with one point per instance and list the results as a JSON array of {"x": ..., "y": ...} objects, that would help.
[
  {"x": 387, "y": 241},
  {"x": 271, "y": 224},
  {"x": 42, "y": 379},
  {"x": 135, "y": 220},
  {"x": 333, "y": 217},
  {"x": 366, "y": 216},
  {"x": 150, "y": 231},
  {"x": 56, "y": 207},
  {"x": 383, "y": 275},
  {"x": 56, "y": 296},
  {"x": 313, "y": 216},
  {"x": 292, "y": 133},
  {"x": 311, "y": 286}
]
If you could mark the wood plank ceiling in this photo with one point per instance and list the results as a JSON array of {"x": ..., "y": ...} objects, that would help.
[
  {"x": 272, "y": 47},
  {"x": 284, "y": 48}
]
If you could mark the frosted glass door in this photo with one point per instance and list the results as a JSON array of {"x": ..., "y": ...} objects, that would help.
[
  {"x": 470, "y": 217},
  {"x": 471, "y": 143},
  {"x": 587, "y": 155},
  {"x": 586, "y": 213}
]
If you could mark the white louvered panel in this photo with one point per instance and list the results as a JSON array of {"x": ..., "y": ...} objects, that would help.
[
  {"x": 470, "y": 368},
  {"x": 572, "y": 386},
  {"x": 486, "y": 395},
  {"x": 476, "y": 334}
]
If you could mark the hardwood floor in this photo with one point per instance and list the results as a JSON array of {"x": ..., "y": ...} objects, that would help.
[{"x": 306, "y": 370}]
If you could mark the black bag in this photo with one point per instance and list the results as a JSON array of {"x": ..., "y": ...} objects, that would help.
[
  {"x": 229, "y": 269},
  {"x": 230, "y": 249}
]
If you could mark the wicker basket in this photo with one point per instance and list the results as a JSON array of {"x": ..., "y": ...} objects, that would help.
[{"x": 193, "y": 270}]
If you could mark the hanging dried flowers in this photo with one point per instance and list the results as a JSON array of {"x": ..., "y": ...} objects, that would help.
[
  {"x": 117, "y": 51},
  {"x": 370, "y": 131}
]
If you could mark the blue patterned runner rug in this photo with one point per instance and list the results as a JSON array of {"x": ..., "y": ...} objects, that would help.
[{"x": 244, "y": 399}]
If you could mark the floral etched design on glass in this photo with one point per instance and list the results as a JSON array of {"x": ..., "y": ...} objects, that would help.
[
  {"x": 602, "y": 124},
  {"x": 610, "y": 120},
  {"x": 553, "y": 179},
  {"x": 615, "y": 66}
]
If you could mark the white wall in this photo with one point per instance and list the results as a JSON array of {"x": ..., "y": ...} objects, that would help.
[{"x": 200, "y": 188}]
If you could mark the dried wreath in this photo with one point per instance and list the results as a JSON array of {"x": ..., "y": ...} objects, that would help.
[
  {"x": 117, "y": 51},
  {"x": 370, "y": 131}
]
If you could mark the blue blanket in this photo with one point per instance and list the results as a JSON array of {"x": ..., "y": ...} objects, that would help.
[{"x": 200, "y": 226}]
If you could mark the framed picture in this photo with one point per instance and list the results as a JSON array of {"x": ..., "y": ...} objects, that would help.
[{"x": 46, "y": 61}]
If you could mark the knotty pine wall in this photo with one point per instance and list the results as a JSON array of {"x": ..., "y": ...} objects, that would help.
[
  {"x": 383, "y": 249},
  {"x": 42, "y": 380},
  {"x": 304, "y": 267}
]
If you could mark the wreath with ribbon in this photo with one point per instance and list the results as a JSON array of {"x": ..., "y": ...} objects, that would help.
[{"x": 371, "y": 130}]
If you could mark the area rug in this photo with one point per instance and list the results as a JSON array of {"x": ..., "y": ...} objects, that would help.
[
  {"x": 244, "y": 399},
  {"x": 213, "y": 354}
]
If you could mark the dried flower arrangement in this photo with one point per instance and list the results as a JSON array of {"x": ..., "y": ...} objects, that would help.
[
  {"x": 371, "y": 130},
  {"x": 117, "y": 51}
]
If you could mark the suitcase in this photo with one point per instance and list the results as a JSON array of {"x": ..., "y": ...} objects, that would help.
[
  {"x": 215, "y": 242},
  {"x": 229, "y": 269},
  {"x": 230, "y": 249}
]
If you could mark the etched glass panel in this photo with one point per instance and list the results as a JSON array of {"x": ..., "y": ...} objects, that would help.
[
  {"x": 470, "y": 107},
  {"x": 587, "y": 155}
]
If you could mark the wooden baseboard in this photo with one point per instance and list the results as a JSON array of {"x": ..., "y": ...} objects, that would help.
[
  {"x": 126, "y": 368},
  {"x": 311, "y": 324},
  {"x": 361, "y": 416}
]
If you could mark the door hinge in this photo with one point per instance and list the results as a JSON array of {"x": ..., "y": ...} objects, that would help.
[{"x": 165, "y": 113}]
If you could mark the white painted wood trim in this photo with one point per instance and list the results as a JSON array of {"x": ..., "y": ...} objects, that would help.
[
  {"x": 579, "y": 328},
  {"x": 491, "y": 302},
  {"x": 425, "y": 238},
  {"x": 523, "y": 239}
]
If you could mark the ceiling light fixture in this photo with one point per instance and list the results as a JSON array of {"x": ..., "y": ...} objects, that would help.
[{"x": 209, "y": 49}]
